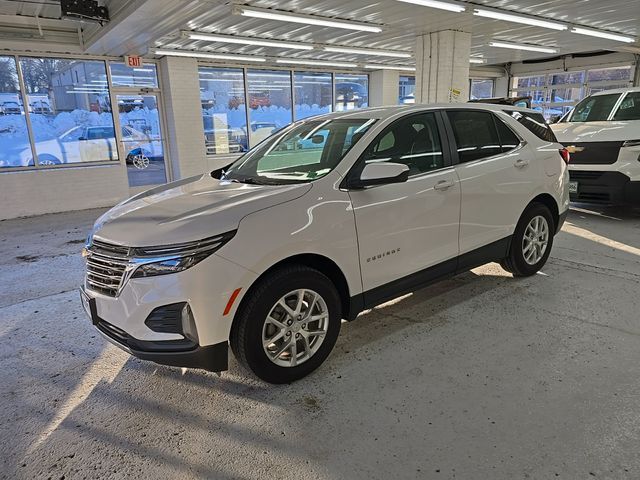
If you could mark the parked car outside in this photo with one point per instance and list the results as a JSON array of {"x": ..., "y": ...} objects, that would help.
[
  {"x": 11, "y": 108},
  {"x": 94, "y": 143},
  {"x": 40, "y": 107},
  {"x": 259, "y": 100},
  {"x": 329, "y": 216},
  {"x": 602, "y": 133}
]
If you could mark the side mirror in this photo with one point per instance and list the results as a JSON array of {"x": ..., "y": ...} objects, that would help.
[
  {"x": 380, "y": 173},
  {"x": 82, "y": 139},
  {"x": 554, "y": 119}
]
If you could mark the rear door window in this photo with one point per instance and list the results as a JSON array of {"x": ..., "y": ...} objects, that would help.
[
  {"x": 629, "y": 108},
  {"x": 475, "y": 134},
  {"x": 535, "y": 123}
]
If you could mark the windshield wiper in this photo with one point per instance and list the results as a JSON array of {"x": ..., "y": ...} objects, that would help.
[{"x": 248, "y": 180}]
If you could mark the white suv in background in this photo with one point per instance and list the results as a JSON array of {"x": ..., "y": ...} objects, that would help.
[
  {"x": 603, "y": 135},
  {"x": 330, "y": 216}
]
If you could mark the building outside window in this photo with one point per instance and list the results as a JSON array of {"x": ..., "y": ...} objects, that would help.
[
  {"x": 70, "y": 111},
  {"x": 480, "y": 88},
  {"x": 270, "y": 103},
  {"x": 15, "y": 148},
  {"x": 554, "y": 94},
  {"x": 312, "y": 92},
  {"x": 406, "y": 89},
  {"x": 351, "y": 92}
]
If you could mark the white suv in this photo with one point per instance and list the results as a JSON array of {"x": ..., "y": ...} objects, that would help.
[
  {"x": 330, "y": 216},
  {"x": 603, "y": 135}
]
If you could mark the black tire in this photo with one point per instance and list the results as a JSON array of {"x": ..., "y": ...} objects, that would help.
[
  {"x": 246, "y": 333},
  {"x": 515, "y": 262}
]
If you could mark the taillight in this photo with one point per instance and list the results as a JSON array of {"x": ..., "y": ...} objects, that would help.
[{"x": 566, "y": 156}]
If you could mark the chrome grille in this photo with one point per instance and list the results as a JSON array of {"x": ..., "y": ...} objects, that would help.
[{"x": 106, "y": 265}]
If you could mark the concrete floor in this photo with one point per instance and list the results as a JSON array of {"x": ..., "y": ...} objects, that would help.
[{"x": 479, "y": 377}]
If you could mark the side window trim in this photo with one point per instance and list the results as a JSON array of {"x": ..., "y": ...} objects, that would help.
[
  {"x": 446, "y": 152},
  {"x": 454, "y": 146},
  {"x": 521, "y": 140}
]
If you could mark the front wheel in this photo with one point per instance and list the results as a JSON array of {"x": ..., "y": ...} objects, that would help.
[
  {"x": 531, "y": 242},
  {"x": 288, "y": 325}
]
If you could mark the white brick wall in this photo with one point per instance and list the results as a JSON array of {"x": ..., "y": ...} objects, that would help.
[
  {"x": 442, "y": 61},
  {"x": 36, "y": 192}
]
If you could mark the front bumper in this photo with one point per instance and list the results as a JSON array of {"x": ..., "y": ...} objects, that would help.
[
  {"x": 177, "y": 353},
  {"x": 130, "y": 320},
  {"x": 604, "y": 187}
]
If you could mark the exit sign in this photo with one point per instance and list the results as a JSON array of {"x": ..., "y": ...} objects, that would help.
[{"x": 132, "y": 61}]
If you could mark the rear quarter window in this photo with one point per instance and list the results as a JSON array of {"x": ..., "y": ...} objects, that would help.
[{"x": 535, "y": 123}]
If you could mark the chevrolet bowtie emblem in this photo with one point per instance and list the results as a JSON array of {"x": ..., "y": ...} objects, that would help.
[{"x": 574, "y": 149}]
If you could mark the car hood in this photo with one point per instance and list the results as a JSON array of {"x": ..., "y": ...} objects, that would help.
[
  {"x": 189, "y": 209},
  {"x": 568, "y": 132}
]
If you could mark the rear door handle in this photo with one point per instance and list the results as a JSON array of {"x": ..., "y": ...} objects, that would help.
[
  {"x": 520, "y": 163},
  {"x": 443, "y": 185}
]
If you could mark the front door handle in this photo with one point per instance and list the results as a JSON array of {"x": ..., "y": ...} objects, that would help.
[
  {"x": 443, "y": 185},
  {"x": 520, "y": 163}
]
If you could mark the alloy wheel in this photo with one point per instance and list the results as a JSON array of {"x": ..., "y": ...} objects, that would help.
[
  {"x": 535, "y": 240},
  {"x": 295, "y": 328}
]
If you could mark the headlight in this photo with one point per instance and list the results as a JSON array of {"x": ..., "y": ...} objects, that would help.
[{"x": 162, "y": 260}]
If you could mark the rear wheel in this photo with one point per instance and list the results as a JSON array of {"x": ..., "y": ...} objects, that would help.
[
  {"x": 531, "y": 242},
  {"x": 288, "y": 325}
]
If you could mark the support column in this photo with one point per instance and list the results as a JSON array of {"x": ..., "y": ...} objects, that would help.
[
  {"x": 442, "y": 66},
  {"x": 183, "y": 113},
  {"x": 383, "y": 88}
]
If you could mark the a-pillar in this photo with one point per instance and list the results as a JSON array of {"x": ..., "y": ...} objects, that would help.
[{"x": 442, "y": 66}]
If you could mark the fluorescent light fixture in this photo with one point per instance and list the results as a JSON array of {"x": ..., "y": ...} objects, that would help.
[
  {"x": 523, "y": 46},
  {"x": 367, "y": 51},
  {"x": 319, "y": 63},
  {"x": 476, "y": 60},
  {"x": 507, "y": 17},
  {"x": 210, "y": 37},
  {"x": 451, "y": 7},
  {"x": 390, "y": 67},
  {"x": 601, "y": 34},
  {"x": 213, "y": 56},
  {"x": 281, "y": 16}
]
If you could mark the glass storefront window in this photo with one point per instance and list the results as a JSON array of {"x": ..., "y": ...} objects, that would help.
[
  {"x": 70, "y": 110},
  {"x": 406, "y": 89},
  {"x": 352, "y": 92},
  {"x": 124, "y": 76},
  {"x": 223, "y": 110},
  {"x": 141, "y": 138},
  {"x": 15, "y": 149},
  {"x": 624, "y": 73},
  {"x": 270, "y": 105},
  {"x": 312, "y": 94},
  {"x": 481, "y": 89}
]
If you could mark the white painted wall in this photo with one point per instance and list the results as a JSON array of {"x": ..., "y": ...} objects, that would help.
[
  {"x": 383, "y": 87},
  {"x": 36, "y": 192},
  {"x": 183, "y": 111}
]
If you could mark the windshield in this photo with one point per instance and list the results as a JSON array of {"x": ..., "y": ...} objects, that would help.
[
  {"x": 594, "y": 109},
  {"x": 301, "y": 153}
]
